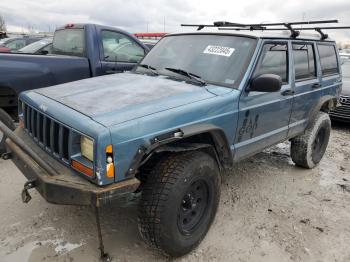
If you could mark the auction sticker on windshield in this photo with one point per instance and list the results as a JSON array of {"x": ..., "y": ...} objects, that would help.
[{"x": 219, "y": 50}]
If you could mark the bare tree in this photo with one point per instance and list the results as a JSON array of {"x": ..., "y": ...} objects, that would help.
[{"x": 2, "y": 24}]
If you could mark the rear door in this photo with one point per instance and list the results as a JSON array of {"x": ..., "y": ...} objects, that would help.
[
  {"x": 119, "y": 52},
  {"x": 330, "y": 69},
  {"x": 264, "y": 116},
  {"x": 307, "y": 84}
]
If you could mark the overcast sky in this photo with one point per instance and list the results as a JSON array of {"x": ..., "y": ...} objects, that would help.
[{"x": 152, "y": 15}]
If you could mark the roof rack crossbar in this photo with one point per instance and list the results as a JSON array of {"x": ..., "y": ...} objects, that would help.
[
  {"x": 281, "y": 28},
  {"x": 261, "y": 25},
  {"x": 317, "y": 29}
]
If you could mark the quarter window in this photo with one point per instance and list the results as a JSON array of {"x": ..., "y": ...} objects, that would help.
[
  {"x": 304, "y": 61},
  {"x": 274, "y": 60},
  {"x": 121, "y": 48},
  {"x": 329, "y": 63}
]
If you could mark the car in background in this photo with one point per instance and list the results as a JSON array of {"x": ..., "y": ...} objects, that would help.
[
  {"x": 41, "y": 47},
  {"x": 344, "y": 51},
  {"x": 79, "y": 51},
  {"x": 3, "y": 42},
  {"x": 3, "y": 34},
  {"x": 14, "y": 44},
  {"x": 342, "y": 112}
]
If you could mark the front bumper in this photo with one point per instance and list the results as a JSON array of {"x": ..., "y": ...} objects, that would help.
[{"x": 65, "y": 187}]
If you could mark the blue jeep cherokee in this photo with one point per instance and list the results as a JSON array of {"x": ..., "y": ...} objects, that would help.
[{"x": 196, "y": 104}]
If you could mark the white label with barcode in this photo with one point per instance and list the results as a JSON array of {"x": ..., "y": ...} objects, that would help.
[{"x": 218, "y": 50}]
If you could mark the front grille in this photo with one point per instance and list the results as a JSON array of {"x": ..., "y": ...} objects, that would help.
[
  {"x": 343, "y": 111},
  {"x": 48, "y": 133},
  {"x": 345, "y": 100}
]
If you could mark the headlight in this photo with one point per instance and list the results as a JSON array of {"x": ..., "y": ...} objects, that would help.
[{"x": 87, "y": 148}]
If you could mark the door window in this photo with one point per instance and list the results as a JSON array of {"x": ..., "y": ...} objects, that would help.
[
  {"x": 329, "y": 63},
  {"x": 274, "y": 60},
  {"x": 304, "y": 61},
  {"x": 121, "y": 48}
]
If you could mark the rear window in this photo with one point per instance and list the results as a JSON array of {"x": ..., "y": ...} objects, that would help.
[
  {"x": 304, "y": 61},
  {"x": 69, "y": 42},
  {"x": 329, "y": 63}
]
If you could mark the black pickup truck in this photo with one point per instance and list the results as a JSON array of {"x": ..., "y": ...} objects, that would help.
[{"x": 79, "y": 51}]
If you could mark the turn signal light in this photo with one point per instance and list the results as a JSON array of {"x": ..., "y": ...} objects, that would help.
[
  {"x": 110, "y": 170},
  {"x": 110, "y": 162},
  {"x": 82, "y": 168}
]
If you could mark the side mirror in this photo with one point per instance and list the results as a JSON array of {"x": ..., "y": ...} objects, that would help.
[
  {"x": 266, "y": 83},
  {"x": 43, "y": 52}
]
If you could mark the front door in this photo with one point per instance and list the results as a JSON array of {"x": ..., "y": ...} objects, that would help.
[{"x": 264, "y": 116}]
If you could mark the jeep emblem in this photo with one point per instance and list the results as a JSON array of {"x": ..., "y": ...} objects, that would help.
[{"x": 43, "y": 108}]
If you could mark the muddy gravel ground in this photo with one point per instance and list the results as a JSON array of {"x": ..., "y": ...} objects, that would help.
[{"x": 270, "y": 210}]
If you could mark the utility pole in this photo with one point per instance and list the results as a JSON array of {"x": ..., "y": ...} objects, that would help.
[{"x": 164, "y": 25}]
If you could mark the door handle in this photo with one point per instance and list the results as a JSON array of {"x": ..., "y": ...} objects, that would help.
[
  {"x": 316, "y": 85},
  {"x": 288, "y": 92}
]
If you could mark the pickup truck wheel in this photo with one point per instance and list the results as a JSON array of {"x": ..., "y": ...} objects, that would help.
[
  {"x": 7, "y": 120},
  {"x": 179, "y": 202},
  {"x": 308, "y": 149}
]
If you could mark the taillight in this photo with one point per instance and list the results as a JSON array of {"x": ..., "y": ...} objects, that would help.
[{"x": 69, "y": 26}]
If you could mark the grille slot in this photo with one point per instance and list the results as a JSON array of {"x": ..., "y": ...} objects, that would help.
[{"x": 48, "y": 133}]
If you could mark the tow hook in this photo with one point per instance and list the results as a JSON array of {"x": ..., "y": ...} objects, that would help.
[{"x": 26, "y": 197}]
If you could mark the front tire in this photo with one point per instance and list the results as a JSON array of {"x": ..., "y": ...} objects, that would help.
[
  {"x": 308, "y": 149},
  {"x": 7, "y": 120},
  {"x": 179, "y": 202}
]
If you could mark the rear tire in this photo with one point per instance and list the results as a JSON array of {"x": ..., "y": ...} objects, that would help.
[
  {"x": 179, "y": 202},
  {"x": 308, "y": 149},
  {"x": 7, "y": 120}
]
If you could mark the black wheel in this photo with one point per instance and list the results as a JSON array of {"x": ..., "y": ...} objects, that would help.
[
  {"x": 308, "y": 149},
  {"x": 179, "y": 202},
  {"x": 7, "y": 120}
]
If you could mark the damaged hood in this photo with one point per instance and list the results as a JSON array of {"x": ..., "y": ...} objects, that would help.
[{"x": 114, "y": 99}]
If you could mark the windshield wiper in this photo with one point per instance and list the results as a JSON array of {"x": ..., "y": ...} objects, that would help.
[
  {"x": 151, "y": 68},
  {"x": 192, "y": 76}
]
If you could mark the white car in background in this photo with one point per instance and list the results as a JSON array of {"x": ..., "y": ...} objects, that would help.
[
  {"x": 41, "y": 47},
  {"x": 342, "y": 113}
]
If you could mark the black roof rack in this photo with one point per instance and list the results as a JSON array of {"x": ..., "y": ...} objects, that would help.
[{"x": 295, "y": 32}]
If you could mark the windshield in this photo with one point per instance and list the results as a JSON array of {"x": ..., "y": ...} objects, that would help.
[
  {"x": 217, "y": 59},
  {"x": 69, "y": 42},
  {"x": 34, "y": 47}
]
